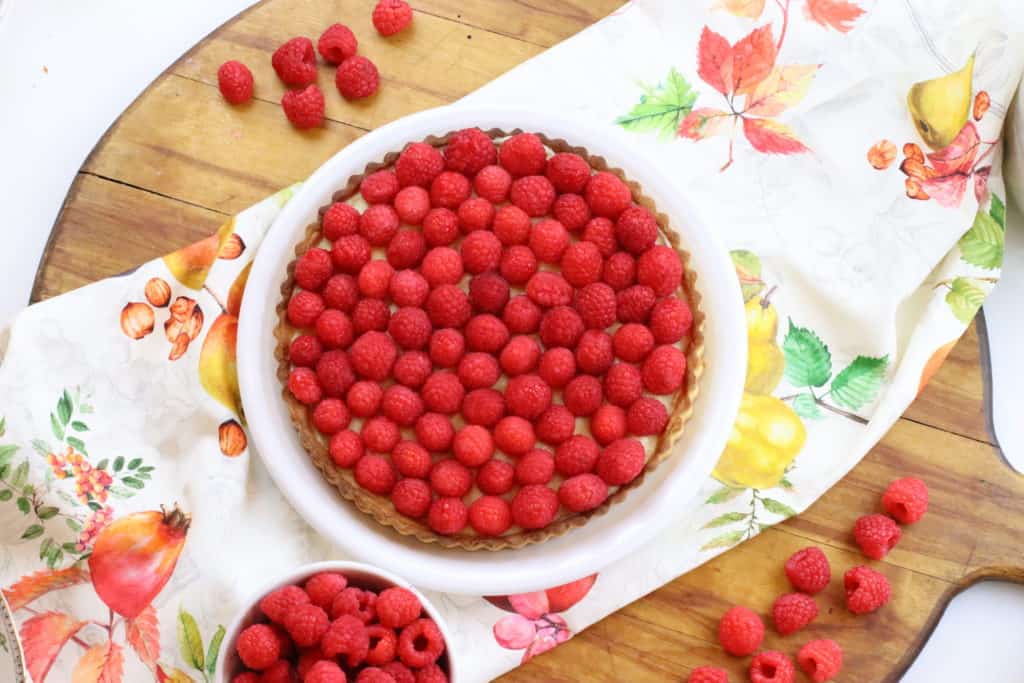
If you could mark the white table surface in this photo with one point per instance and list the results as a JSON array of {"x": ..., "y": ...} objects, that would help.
[{"x": 83, "y": 47}]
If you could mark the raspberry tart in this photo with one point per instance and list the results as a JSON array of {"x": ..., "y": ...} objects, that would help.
[{"x": 489, "y": 338}]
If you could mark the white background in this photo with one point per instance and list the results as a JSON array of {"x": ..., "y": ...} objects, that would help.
[{"x": 99, "y": 54}]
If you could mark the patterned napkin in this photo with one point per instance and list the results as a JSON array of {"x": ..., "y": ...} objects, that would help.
[{"x": 865, "y": 237}]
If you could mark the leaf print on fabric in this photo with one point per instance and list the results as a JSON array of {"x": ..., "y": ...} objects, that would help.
[
  {"x": 858, "y": 383},
  {"x": 43, "y": 637},
  {"x": 808, "y": 361},
  {"x": 536, "y": 625},
  {"x": 751, "y": 9},
  {"x": 705, "y": 123},
  {"x": 771, "y": 137},
  {"x": 965, "y": 296},
  {"x": 34, "y": 586},
  {"x": 100, "y": 664},
  {"x": 143, "y": 635},
  {"x": 661, "y": 108},
  {"x": 837, "y": 14},
  {"x": 984, "y": 243}
]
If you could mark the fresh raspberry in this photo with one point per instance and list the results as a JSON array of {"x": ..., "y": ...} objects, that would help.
[
  {"x": 304, "y": 308},
  {"x": 357, "y": 77},
  {"x": 671, "y": 319},
  {"x": 607, "y": 195},
  {"x": 512, "y": 225},
  {"x": 906, "y": 499},
  {"x": 475, "y": 214},
  {"x": 576, "y": 455},
  {"x": 534, "y": 506},
  {"x": 431, "y": 674},
  {"x": 568, "y": 172},
  {"x": 322, "y": 588},
  {"x": 402, "y": 405},
  {"x": 324, "y": 671},
  {"x": 555, "y": 425},
  {"x": 495, "y": 477},
  {"x": 594, "y": 352},
  {"x": 469, "y": 151},
  {"x": 449, "y": 190},
  {"x": 379, "y": 187},
  {"x": 447, "y": 516},
  {"x": 486, "y": 332},
  {"x": 771, "y": 666},
  {"x": 307, "y": 658},
  {"x": 235, "y": 82},
  {"x": 306, "y": 624},
  {"x": 334, "y": 373},
  {"x": 303, "y": 386},
  {"x": 375, "y": 473},
  {"x": 536, "y": 467},
  {"x": 305, "y": 350},
  {"x": 440, "y": 227},
  {"x": 492, "y": 183},
  {"x": 448, "y": 306},
  {"x": 664, "y": 370},
  {"x": 339, "y": 220},
  {"x": 483, "y": 407},
  {"x": 582, "y": 395},
  {"x": 408, "y": 288},
  {"x": 660, "y": 269},
  {"x": 596, "y": 303},
  {"x": 481, "y": 251},
  {"x": 418, "y": 164},
  {"x": 400, "y": 672},
  {"x": 447, "y": 347},
  {"x": 490, "y": 516},
  {"x": 406, "y": 248},
  {"x": 808, "y": 570},
  {"x": 383, "y": 646},
  {"x": 581, "y": 264},
  {"x": 331, "y": 416},
  {"x": 523, "y": 154},
  {"x": 295, "y": 62},
  {"x": 601, "y": 233},
  {"x": 534, "y": 194},
  {"x": 412, "y": 369},
  {"x": 370, "y": 315},
  {"x": 866, "y": 590},
  {"x": 341, "y": 292},
  {"x": 391, "y": 16},
  {"x": 334, "y": 329},
  {"x": 619, "y": 271},
  {"x": 571, "y": 211},
  {"x": 521, "y": 315},
  {"x": 350, "y": 253},
  {"x": 442, "y": 266},
  {"x": 622, "y": 384},
  {"x": 434, "y": 431},
  {"x": 337, "y": 44},
  {"x": 346, "y": 636},
  {"x": 549, "y": 289},
  {"x": 259, "y": 646},
  {"x": 821, "y": 660},
  {"x": 793, "y": 612},
  {"x": 549, "y": 240},
  {"x": 410, "y": 327},
  {"x": 876, "y": 535},
  {"x": 411, "y": 459},
  {"x": 561, "y": 326},
  {"x": 488, "y": 292},
  {"x": 378, "y": 224},
  {"x": 473, "y": 445},
  {"x": 277, "y": 604},
  {"x": 607, "y": 424},
  {"x": 520, "y": 355},
  {"x": 527, "y": 396},
  {"x": 478, "y": 370},
  {"x": 304, "y": 108},
  {"x": 412, "y": 204},
  {"x": 443, "y": 392},
  {"x": 278, "y": 672},
  {"x": 634, "y": 304},
  {"x": 380, "y": 434},
  {"x": 364, "y": 398},
  {"x": 411, "y": 497},
  {"x": 518, "y": 264},
  {"x": 557, "y": 367},
  {"x": 636, "y": 230},
  {"x": 372, "y": 355},
  {"x": 740, "y": 631},
  {"x": 514, "y": 435},
  {"x": 357, "y": 603},
  {"x": 397, "y": 607},
  {"x": 708, "y": 674},
  {"x": 582, "y": 492},
  {"x": 345, "y": 448}
]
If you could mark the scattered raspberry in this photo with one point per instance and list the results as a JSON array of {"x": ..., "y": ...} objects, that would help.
[
  {"x": 322, "y": 588},
  {"x": 492, "y": 183},
  {"x": 306, "y": 624},
  {"x": 557, "y": 367},
  {"x": 345, "y": 448},
  {"x": 582, "y": 395},
  {"x": 906, "y": 499},
  {"x": 469, "y": 151},
  {"x": 473, "y": 445},
  {"x": 576, "y": 455},
  {"x": 533, "y": 194},
  {"x": 636, "y": 229},
  {"x": 372, "y": 355},
  {"x": 410, "y": 327},
  {"x": 448, "y": 306},
  {"x": 512, "y": 225},
  {"x": 277, "y": 604},
  {"x": 561, "y": 326},
  {"x": 488, "y": 292},
  {"x": 420, "y": 643},
  {"x": 295, "y": 62},
  {"x": 337, "y": 44},
  {"x": 334, "y": 373},
  {"x": 443, "y": 392},
  {"x": 607, "y": 424},
  {"x": 555, "y": 425},
  {"x": 521, "y": 315},
  {"x": 568, "y": 172},
  {"x": 876, "y": 535},
  {"x": 375, "y": 473},
  {"x": 475, "y": 214},
  {"x": 357, "y": 77},
  {"x": 304, "y": 308},
  {"x": 447, "y": 347},
  {"x": 350, "y": 253},
  {"x": 520, "y": 355},
  {"x": 571, "y": 210},
  {"x": 303, "y": 386},
  {"x": 412, "y": 369},
  {"x": 536, "y": 467},
  {"x": 407, "y": 247},
  {"x": 601, "y": 232},
  {"x": 821, "y": 660},
  {"x": 431, "y": 674},
  {"x": 708, "y": 674},
  {"x": 622, "y": 384},
  {"x": 634, "y": 304},
  {"x": 379, "y": 187},
  {"x": 522, "y": 155},
  {"x": 400, "y": 672},
  {"x": 495, "y": 477},
  {"x": 594, "y": 352},
  {"x": 419, "y": 164},
  {"x": 235, "y": 82},
  {"x": 304, "y": 351},
  {"x": 866, "y": 590},
  {"x": 346, "y": 636},
  {"x": 411, "y": 459},
  {"x": 364, "y": 398},
  {"x": 331, "y": 416},
  {"x": 279, "y": 672},
  {"x": 440, "y": 227},
  {"x": 518, "y": 264},
  {"x": 391, "y": 16},
  {"x": 483, "y": 407},
  {"x": 514, "y": 435},
  {"x": 449, "y": 190},
  {"x": 324, "y": 671},
  {"x": 740, "y": 631},
  {"x": 582, "y": 492},
  {"x": 527, "y": 396},
  {"x": 619, "y": 271},
  {"x": 621, "y": 462},
  {"x": 772, "y": 667},
  {"x": 378, "y": 224},
  {"x": 534, "y": 506},
  {"x": 490, "y": 516},
  {"x": 341, "y": 292},
  {"x": 339, "y": 220},
  {"x": 549, "y": 289},
  {"x": 671, "y": 319},
  {"x": 370, "y": 315},
  {"x": 548, "y": 240},
  {"x": 607, "y": 195},
  {"x": 660, "y": 269},
  {"x": 447, "y": 516},
  {"x": 412, "y": 497},
  {"x": 481, "y": 251},
  {"x": 380, "y": 435},
  {"x": 664, "y": 370},
  {"x": 304, "y": 108},
  {"x": 434, "y": 432},
  {"x": 478, "y": 370},
  {"x": 808, "y": 570},
  {"x": 793, "y": 612}
]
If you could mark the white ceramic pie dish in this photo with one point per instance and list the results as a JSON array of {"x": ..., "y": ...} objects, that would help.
[{"x": 655, "y": 505}]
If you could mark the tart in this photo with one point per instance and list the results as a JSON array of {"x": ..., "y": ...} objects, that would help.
[{"x": 489, "y": 338}]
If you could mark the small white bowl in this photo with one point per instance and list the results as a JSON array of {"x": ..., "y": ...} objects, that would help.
[{"x": 358, "y": 574}]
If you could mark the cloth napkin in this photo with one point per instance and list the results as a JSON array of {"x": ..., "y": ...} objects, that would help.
[{"x": 865, "y": 236}]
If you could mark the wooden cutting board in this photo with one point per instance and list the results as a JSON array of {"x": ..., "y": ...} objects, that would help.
[{"x": 179, "y": 161}]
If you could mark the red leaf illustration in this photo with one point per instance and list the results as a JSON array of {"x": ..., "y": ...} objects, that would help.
[
  {"x": 981, "y": 184},
  {"x": 959, "y": 155},
  {"x": 948, "y": 190},
  {"x": 102, "y": 663},
  {"x": 753, "y": 58},
  {"x": 714, "y": 61},
  {"x": 771, "y": 137},
  {"x": 837, "y": 14},
  {"x": 143, "y": 634},
  {"x": 704, "y": 123},
  {"x": 43, "y": 636},
  {"x": 530, "y": 605},
  {"x": 34, "y": 586},
  {"x": 783, "y": 88},
  {"x": 561, "y": 598}
]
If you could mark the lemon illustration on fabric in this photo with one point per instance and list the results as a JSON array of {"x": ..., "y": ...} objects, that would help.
[{"x": 940, "y": 107}]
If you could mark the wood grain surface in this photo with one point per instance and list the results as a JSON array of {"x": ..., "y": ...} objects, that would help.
[{"x": 179, "y": 160}]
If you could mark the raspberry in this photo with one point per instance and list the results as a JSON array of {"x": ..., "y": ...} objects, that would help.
[
  {"x": 411, "y": 497},
  {"x": 278, "y": 672},
  {"x": 660, "y": 269},
  {"x": 259, "y": 646},
  {"x": 434, "y": 432},
  {"x": 304, "y": 108},
  {"x": 520, "y": 355},
  {"x": 364, "y": 398},
  {"x": 534, "y": 506},
  {"x": 478, "y": 370},
  {"x": 481, "y": 251},
  {"x": 793, "y": 612},
  {"x": 322, "y": 588},
  {"x": 561, "y": 326},
  {"x": 483, "y": 407},
  {"x": 324, "y": 671},
  {"x": 596, "y": 304},
  {"x": 549, "y": 289},
  {"x": 533, "y": 194},
  {"x": 469, "y": 151},
  {"x": 447, "y": 516},
  {"x": 379, "y": 187},
  {"x": 411, "y": 459},
  {"x": 412, "y": 204},
  {"x": 373, "y": 674},
  {"x": 582, "y": 395},
  {"x": 740, "y": 631},
  {"x": 410, "y": 327},
  {"x": 431, "y": 674},
  {"x": 306, "y": 624},
  {"x": 576, "y": 455},
  {"x": 527, "y": 396},
  {"x": 632, "y": 342},
  {"x": 581, "y": 264},
  {"x": 557, "y": 367},
  {"x": 375, "y": 277},
  {"x": 346, "y": 636},
  {"x": 304, "y": 308},
  {"x": 295, "y": 62},
  {"x": 619, "y": 271},
  {"x": 307, "y": 658},
  {"x": 808, "y": 570},
  {"x": 664, "y": 370},
  {"x": 821, "y": 660},
  {"x": 473, "y": 445},
  {"x": 408, "y": 288},
  {"x": 522, "y": 154},
  {"x": 339, "y": 220},
  {"x": 305, "y": 350},
  {"x": 345, "y": 448},
  {"x": 549, "y": 240},
  {"x": 621, "y": 462},
  {"x": 512, "y": 225},
  {"x": 582, "y": 492},
  {"x": 350, "y": 253},
  {"x": 568, "y": 172},
  {"x": 634, "y": 304},
  {"x": 334, "y": 329},
  {"x": 492, "y": 183},
  {"x": 397, "y": 607},
  {"x": 378, "y": 224},
  {"x": 571, "y": 211},
  {"x": 334, "y": 373},
  {"x": 622, "y": 384},
  {"x": 447, "y": 347},
  {"x": 487, "y": 333},
  {"x": 391, "y": 16},
  {"x": 303, "y": 386},
  {"x": 375, "y": 473},
  {"x": 277, "y": 604},
  {"x": 356, "y": 603},
  {"x": 906, "y": 499},
  {"x": 442, "y": 266},
  {"x": 357, "y": 77},
  {"x": 518, "y": 264},
  {"x": 772, "y": 667},
  {"x": 372, "y": 355},
  {"x": 443, "y": 392},
  {"x": 449, "y": 190},
  {"x": 235, "y": 82},
  {"x": 488, "y": 292},
  {"x": 400, "y": 672},
  {"x": 594, "y": 352},
  {"x": 475, "y": 214},
  {"x": 555, "y": 425},
  {"x": 514, "y": 435},
  {"x": 495, "y": 477},
  {"x": 418, "y": 164},
  {"x": 521, "y": 315},
  {"x": 536, "y": 467},
  {"x": 383, "y": 644},
  {"x": 601, "y": 233},
  {"x": 708, "y": 674},
  {"x": 866, "y": 590},
  {"x": 406, "y": 248},
  {"x": 440, "y": 227},
  {"x": 370, "y": 315},
  {"x": 341, "y": 292},
  {"x": 402, "y": 405},
  {"x": 448, "y": 306},
  {"x": 876, "y": 535},
  {"x": 331, "y": 416},
  {"x": 670, "y": 320},
  {"x": 380, "y": 434},
  {"x": 337, "y": 44},
  {"x": 636, "y": 229},
  {"x": 607, "y": 424},
  {"x": 607, "y": 195},
  {"x": 490, "y": 516},
  {"x": 412, "y": 368}
]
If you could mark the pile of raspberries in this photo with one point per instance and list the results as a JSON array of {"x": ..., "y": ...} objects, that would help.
[
  {"x": 295, "y": 64},
  {"x": 741, "y": 630},
  {"x": 525, "y": 295},
  {"x": 327, "y": 631}
]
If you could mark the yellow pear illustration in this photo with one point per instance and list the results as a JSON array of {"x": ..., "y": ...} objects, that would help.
[
  {"x": 765, "y": 361},
  {"x": 765, "y": 438},
  {"x": 234, "y": 304},
  {"x": 940, "y": 107},
  {"x": 190, "y": 265},
  {"x": 218, "y": 372}
]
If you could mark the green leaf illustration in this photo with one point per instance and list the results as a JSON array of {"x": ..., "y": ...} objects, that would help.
[
  {"x": 983, "y": 244},
  {"x": 41, "y": 447},
  {"x": 189, "y": 640},
  {"x": 4, "y": 470},
  {"x": 134, "y": 463},
  {"x": 93, "y": 505},
  {"x": 723, "y": 495},
  {"x": 998, "y": 211},
  {"x": 786, "y": 484},
  {"x": 775, "y": 507},
  {"x": 726, "y": 540},
  {"x": 726, "y": 519},
  {"x": 118, "y": 463},
  {"x": 54, "y": 557},
  {"x": 748, "y": 269},
  {"x": 102, "y": 464},
  {"x": 121, "y": 492},
  {"x": 24, "y": 505},
  {"x": 859, "y": 382},
  {"x": 661, "y": 108},
  {"x": 214, "y": 650},
  {"x": 69, "y": 548},
  {"x": 965, "y": 297},
  {"x": 34, "y": 531},
  {"x": 64, "y": 409},
  {"x": 73, "y": 524},
  {"x": 20, "y": 475},
  {"x": 79, "y": 426},
  {"x": 3, "y": 426},
  {"x": 133, "y": 482},
  {"x": 47, "y": 512},
  {"x": 58, "y": 431},
  {"x": 6, "y": 495},
  {"x": 44, "y": 548},
  {"x": 808, "y": 361},
  {"x": 77, "y": 444},
  {"x": 805, "y": 406},
  {"x": 6, "y": 452}
]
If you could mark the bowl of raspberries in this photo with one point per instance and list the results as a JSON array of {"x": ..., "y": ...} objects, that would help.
[{"x": 338, "y": 622}]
